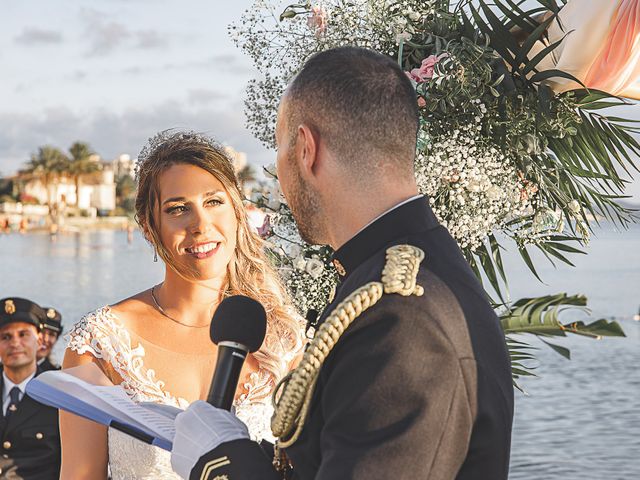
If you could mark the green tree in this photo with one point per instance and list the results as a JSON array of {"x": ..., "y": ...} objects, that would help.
[
  {"x": 245, "y": 175},
  {"x": 80, "y": 164},
  {"x": 125, "y": 193},
  {"x": 47, "y": 165}
]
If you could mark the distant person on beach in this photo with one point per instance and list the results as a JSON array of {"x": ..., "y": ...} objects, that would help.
[
  {"x": 30, "y": 443},
  {"x": 129, "y": 233},
  {"x": 156, "y": 343},
  {"x": 51, "y": 330}
]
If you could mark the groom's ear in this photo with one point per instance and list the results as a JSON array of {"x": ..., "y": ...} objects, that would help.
[{"x": 307, "y": 148}]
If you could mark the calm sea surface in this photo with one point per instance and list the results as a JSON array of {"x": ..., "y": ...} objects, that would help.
[{"x": 580, "y": 419}]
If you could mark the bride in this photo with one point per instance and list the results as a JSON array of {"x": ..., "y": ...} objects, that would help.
[{"x": 156, "y": 343}]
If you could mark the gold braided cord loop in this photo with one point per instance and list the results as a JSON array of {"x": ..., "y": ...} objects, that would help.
[
  {"x": 401, "y": 269},
  {"x": 398, "y": 276},
  {"x": 297, "y": 387}
]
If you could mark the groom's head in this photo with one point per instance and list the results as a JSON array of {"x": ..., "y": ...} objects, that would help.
[{"x": 348, "y": 120}]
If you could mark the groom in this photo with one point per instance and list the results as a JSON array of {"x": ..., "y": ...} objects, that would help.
[{"x": 419, "y": 385}]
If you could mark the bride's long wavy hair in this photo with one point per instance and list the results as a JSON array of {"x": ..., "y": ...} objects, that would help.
[{"x": 248, "y": 272}]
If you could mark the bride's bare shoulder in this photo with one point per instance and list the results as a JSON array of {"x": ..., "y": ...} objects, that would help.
[{"x": 132, "y": 307}]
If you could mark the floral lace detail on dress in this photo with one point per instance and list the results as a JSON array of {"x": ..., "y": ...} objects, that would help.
[{"x": 100, "y": 334}]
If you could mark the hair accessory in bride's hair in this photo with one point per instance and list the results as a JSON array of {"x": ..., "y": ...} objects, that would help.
[{"x": 171, "y": 135}]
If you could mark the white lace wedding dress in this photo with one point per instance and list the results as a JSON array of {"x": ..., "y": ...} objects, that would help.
[{"x": 101, "y": 334}]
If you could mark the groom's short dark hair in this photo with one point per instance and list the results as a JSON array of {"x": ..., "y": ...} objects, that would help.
[{"x": 361, "y": 103}]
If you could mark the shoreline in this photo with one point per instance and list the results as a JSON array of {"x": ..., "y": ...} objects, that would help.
[{"x": 78, "y": 224}]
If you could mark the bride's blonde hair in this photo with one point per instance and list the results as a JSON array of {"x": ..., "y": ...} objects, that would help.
[{"x": 249, "y": 272}]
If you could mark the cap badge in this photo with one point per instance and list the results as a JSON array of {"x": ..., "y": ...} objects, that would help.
[
  {"x": 339, "y": 268},
  {"x": 9, "y": 307},
  {"x": 51, "y": 313}
]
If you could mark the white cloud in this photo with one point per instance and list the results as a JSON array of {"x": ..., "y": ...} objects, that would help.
[
  {"x": 106, "y": 35},
  {"x": 112, "y": 133},
  {"x": 31, "y": 36}
]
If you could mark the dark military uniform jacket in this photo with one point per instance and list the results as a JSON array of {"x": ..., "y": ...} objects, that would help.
[
  {"x": 47, "y": 365},
  {"x": 30, "y": 441},
  {"x": 418, "y": 387}
]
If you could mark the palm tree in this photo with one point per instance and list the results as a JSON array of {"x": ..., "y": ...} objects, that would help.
[
  {"x": 47, "y": 164},
  {"x": 246, "y": 175},
  {"x": 80, "y": 164}
]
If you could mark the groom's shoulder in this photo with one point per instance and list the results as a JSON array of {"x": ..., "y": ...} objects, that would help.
[
  {"x": 409, "y": 317},
  {"x": 449, "y": 303}
]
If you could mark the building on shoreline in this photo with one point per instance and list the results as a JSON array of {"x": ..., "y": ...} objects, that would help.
[
  {"x": 94, "y": 193},
  {"x": 37, "y": 200}
]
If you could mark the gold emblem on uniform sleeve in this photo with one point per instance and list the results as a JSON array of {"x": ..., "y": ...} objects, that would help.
[
  {"x": 9, "y": 307},
  {"x": 212, "y": 465},
  {"x": 51, "y": 313}
]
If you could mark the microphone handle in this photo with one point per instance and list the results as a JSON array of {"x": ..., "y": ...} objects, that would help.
[{"x": 226, "y": 375}]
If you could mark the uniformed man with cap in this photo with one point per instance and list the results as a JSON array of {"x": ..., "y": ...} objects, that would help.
[
  {"x": 29, "y": 435},
  {"x": 408, "y": 375},
  {"x": 51, "y": 331}
]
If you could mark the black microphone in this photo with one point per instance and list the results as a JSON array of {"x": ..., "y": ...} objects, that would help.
[{"x": 238, "y": 327}]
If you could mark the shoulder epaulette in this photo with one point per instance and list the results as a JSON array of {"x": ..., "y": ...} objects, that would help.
[{"x": 399, "y": 275}]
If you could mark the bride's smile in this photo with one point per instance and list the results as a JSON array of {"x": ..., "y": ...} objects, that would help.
[
  {"x": 203, "y": 250},
  {"x": 156, "y": 343},
  {"x": 197, "y": 222}
]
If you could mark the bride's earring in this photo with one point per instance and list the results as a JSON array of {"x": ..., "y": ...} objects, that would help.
[{"x": 155, "y": 255}]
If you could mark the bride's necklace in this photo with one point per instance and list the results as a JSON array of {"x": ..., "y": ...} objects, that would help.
[{"x": 161, "y": 310}]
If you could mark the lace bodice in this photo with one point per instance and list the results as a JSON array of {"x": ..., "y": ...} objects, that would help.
[{"x": 101, "y": 334}]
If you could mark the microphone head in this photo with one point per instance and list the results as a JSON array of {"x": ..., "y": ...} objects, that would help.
[{"x": 241, "y": 320}]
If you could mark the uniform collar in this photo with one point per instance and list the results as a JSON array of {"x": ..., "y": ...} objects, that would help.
[
  {"x": 407, "y": 218},
  {"x": 8, "y": 384}
]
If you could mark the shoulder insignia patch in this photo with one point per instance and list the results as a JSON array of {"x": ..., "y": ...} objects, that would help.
[{"x": 401, "y": 269}]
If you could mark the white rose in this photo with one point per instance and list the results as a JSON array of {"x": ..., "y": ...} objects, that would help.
[
  {"x": 300, "y": 263},
  {"x": 494, "y": 193},
  {"x": 274, "y": 203},
  {"x": 314, "y": 267},
  {"x": 403, "y": 37},
  {"x": 574, "y": 207},
  {"x": 271, "y": 171},
  {"x": 473, "y": 186},
  {"x": 293, "y": 250}
]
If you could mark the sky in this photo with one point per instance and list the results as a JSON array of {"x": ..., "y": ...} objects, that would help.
[{"x": 113, "y": 73}]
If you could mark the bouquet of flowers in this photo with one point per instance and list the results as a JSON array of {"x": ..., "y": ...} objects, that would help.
[{"x": 501, "y": 156}]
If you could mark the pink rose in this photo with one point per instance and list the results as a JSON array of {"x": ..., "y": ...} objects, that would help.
[
  {"x": 265, "y": 230},
  {"x": 425, "y": 72},
  {"x": 317, "y": 20},
  {"x": 422, "y": 102}
]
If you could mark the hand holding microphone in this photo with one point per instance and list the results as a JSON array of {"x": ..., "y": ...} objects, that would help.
[{"x": 238, "y": 327}]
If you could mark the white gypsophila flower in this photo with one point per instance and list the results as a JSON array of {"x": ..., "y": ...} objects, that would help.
[
  {"x": 474, "y": 189},
  {"x": 279, "y": 48},
  {"x": 574, "y": 207}
]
